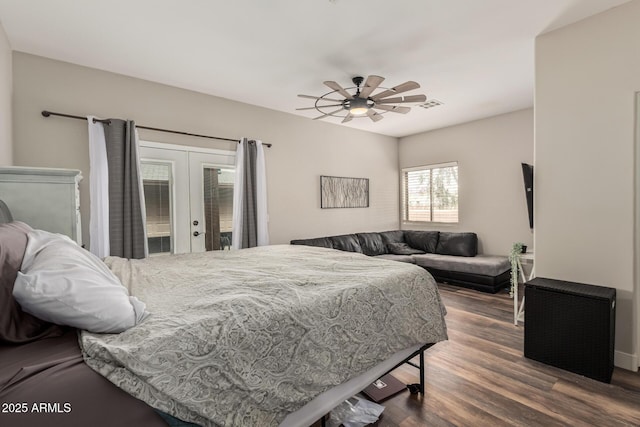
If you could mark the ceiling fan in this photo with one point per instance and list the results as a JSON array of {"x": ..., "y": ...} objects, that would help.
[{"x": 363, "y": 102}]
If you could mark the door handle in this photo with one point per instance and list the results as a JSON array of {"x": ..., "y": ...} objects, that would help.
[{"x": 196, "y": 234}]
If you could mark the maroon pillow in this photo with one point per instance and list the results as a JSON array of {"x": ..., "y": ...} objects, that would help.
[{"x": 16, "y": 326}]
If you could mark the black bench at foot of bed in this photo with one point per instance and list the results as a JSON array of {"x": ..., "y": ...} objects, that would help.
[{"x": 449, "y": 257}]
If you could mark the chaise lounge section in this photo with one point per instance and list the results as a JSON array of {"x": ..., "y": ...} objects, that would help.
[{"x": 449, "y": 257}]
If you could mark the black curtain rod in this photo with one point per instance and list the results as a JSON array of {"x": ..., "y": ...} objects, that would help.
[{"x": 46, "y": 113}]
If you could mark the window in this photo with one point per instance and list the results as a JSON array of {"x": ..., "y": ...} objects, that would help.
[{"x": 430, "y": 193}]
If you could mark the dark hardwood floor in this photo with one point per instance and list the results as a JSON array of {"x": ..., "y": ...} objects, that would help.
[{"x": 480, "y": 377}]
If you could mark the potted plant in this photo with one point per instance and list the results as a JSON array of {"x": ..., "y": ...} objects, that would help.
[{"x": 516, "y": 250}]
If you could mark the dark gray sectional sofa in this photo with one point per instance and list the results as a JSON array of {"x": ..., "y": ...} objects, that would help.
[{"x": 449, "y": 257}]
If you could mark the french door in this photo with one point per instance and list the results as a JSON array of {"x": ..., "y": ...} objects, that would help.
[{"x": 188, "y": 197}]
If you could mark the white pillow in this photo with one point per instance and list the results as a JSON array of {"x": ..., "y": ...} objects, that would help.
[{"x": 64, "y": 284}]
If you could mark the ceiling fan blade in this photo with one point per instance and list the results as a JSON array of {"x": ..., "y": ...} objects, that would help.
[
  {"x": 370, "y": 85},
  {"x": 321, "y": 106},
  {"x": 401, "y": 99},
  {"x": 404, "y": 87},
  {"x": 374, "y": 116},
  {"x": 335, "y": 86},
  {"x": 347, "y": 118},
  {"x": 328, "y": 114},
  {"x": 394, "y": 108},
  {"x": 320, "y": 98}
]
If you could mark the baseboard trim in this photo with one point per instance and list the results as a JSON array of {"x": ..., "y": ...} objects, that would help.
[{"x": 625, "y": 361}]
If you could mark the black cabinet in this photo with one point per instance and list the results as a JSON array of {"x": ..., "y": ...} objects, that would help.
[{"x": 571, "y": 326}]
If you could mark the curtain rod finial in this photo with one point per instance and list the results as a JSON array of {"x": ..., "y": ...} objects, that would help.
[{"x": 45, "y": 113}]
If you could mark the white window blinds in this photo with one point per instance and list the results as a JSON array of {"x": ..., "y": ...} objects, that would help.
[{"x": 430, "y": 193}]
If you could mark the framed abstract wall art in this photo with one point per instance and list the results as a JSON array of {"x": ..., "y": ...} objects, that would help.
[{"x": 341, "y": 192}]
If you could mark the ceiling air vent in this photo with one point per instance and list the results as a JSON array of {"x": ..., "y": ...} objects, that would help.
[{"x": 431, "y": 103}]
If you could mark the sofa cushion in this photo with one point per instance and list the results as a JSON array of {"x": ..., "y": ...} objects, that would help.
[
  {"x": 346, "y": 242},
  {"x": 460, "y": 244},
  {"x": 323, "y": 242},
  {"x": 402, "y": 258},
  {"x": 486, "y": 265},
  {"x": 426, "y": 241},
  {"x": 372, "y": 244},
  {"x": 402, "y": 249},
  {"x": 396, "y": 236}
]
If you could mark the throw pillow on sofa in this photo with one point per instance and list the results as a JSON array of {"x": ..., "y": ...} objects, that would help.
[
  {"x": 426, "y": 241},
  {"x": 403, "y": 249}
]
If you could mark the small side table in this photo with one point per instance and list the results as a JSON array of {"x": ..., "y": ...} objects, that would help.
[{"x": 518, "y": 309}]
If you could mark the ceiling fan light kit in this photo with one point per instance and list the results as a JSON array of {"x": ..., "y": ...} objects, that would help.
[
  {"x": 358, "y": 106},
  {"x": 363, "y": 103}
]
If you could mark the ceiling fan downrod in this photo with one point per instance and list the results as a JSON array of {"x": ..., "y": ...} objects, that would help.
[
  {"x": 357, "y": 106},
  {"x": 357, "y": 81}
]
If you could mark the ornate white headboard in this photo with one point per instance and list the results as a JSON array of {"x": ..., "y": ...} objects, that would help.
[{"x": 45, "y": 198}]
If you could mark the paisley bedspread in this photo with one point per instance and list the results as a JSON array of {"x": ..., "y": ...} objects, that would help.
[{"x": 243, "y": 338}]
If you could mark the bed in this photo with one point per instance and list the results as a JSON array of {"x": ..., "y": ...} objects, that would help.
[{"x": 275, "y": 335}]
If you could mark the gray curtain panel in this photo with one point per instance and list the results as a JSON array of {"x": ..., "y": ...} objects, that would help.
[
  {"x": 126, "y": 224},
  {"x": 249, "y": 206}
]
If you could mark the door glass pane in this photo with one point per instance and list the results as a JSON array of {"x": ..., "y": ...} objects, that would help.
[
  {"x": 156, "y": 180},
  {"x": 218, "y": 207}
]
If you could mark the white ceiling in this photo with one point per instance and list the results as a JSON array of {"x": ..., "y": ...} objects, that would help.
[{"x": 476, "y": 56}]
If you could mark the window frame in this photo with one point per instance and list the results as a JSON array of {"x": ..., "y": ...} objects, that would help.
[{"x": 404, "y": 197}]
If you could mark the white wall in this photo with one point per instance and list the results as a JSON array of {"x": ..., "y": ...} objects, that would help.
[
  {"x": 489, "y": 153},
  {"x": 586, "y": 77},
  {"x": 6, "y": 144},
  {"x": 302, "y": 150}
]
